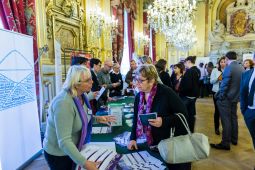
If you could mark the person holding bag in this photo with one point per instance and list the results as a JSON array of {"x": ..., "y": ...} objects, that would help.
[{"x": 156, "y": 97}]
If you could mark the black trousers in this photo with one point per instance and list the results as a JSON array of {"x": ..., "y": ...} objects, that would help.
[
  {"x": 228, "y": 115},
  {"x": 191, "y": 107},
  {"x": 216, "y": 114},
  {"x": 58, "y": 162},
  {"x": 182, "y": 166}
]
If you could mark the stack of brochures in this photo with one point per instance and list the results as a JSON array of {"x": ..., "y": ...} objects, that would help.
[
  {"x": 141, "y": 160},
  {"x": 124, "y": 138}
]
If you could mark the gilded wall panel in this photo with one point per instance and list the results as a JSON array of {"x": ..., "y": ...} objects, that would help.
[
  {"x": 64, "y": 23},
  {"x": 67, "y": 34}
]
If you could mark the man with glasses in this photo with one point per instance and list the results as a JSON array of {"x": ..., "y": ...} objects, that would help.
[{"x": 104, "y": 80}]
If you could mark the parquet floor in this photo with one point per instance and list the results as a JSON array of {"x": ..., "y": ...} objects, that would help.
[{"x": 240, "y": 157}]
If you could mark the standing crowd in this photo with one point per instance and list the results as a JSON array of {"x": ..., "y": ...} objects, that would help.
[{"x": 72, "y": 112}]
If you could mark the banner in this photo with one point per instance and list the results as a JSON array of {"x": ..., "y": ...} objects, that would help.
[
  {"x": 19, "y": 123},
  {"x": 58, "y": 66}
]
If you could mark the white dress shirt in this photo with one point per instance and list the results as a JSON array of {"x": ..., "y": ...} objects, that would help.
[
  {"x": 250, "y": 83},
  {"x": 214, "y": 79}
]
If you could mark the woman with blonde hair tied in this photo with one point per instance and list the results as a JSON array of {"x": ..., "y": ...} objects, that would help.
[{"x": 69, "y": 122}]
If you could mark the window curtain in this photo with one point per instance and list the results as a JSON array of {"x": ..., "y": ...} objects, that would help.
[
  {"x": 130, "y": 6},
  {"x": 146, "y": 30},
  {"x": 118, "y": 34},
  {"x": 153, "y": 45},
  {"x": 19, "y": 16}
]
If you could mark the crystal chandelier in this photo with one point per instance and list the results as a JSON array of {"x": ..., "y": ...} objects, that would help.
[
  {"x": 183, "y": 37},
  {"x": 99, "y": 22},
  {"x": 142, "y": 39},
  {"x": 174, "y": 19},
  {"x": 165, "y": 14}
]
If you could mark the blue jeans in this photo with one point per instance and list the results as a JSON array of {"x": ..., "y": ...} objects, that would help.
[{"x": 58, "y": 162}]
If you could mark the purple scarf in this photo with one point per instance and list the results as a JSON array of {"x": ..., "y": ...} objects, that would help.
[
  {"x": 141, "y": 129},
  {"x": 84, "y": 118}
]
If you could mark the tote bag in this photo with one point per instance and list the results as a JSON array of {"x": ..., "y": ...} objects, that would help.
[{"x": 184, "y": 148}]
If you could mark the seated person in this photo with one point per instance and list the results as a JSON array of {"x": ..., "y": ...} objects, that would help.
[{"x": 116, "y": 78}]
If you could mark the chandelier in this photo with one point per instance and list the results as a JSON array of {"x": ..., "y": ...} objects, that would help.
[
  {"x": 174, "y": 19},
  {"x": 183, "y": 37},
  {"x": 99, "y": 22},
  {"x": 165, "y": 14},
  {"x": 142, "y": 39}
]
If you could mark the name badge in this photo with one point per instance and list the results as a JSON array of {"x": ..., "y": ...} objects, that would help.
[{"x": 89, "y": 112}]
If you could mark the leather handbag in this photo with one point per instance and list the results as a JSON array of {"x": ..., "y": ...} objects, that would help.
[{"x": 184, "y": 148}]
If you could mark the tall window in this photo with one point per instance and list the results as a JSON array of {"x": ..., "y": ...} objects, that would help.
[{"x": 125, "y": 59}]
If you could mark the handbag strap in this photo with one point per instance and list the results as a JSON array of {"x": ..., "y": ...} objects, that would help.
[{"x": 184, "y": 122}]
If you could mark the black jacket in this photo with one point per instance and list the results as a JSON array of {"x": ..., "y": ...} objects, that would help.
[
  {"x": 166, "y": 103},
  {"x": 95, "y": 85},
  {"x": 115, "y": 78},
  {"x": 165, "y": 78},
  {"x": 189, "y": 85}
]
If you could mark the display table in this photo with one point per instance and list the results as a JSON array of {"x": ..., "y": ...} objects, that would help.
[{"x": 119, "y": 130}]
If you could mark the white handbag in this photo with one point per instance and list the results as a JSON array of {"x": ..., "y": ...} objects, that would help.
[{"x": 184, "y": 148}]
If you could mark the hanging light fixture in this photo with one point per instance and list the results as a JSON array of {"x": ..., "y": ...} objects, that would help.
[{"x": 174, "y": 19}]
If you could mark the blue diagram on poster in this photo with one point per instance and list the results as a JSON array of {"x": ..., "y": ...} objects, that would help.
[{"x": 17, "y": 82}]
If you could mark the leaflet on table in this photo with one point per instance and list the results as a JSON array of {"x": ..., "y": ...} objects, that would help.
[
  {"x": 101, "y": 130},
  {"x": 98, "y": 154},
  {"x": 124, "y": 138},
  {"x": 116, "y": 110},
  {"x": 100, "y": 93},
  {"x": 141, "y": 160}
]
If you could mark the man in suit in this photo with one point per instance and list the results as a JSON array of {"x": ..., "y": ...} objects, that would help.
[
  {"x": 227, "y": 99},
  {"x": 95, "y": 67},
  {"x": 247, "y": 100}
]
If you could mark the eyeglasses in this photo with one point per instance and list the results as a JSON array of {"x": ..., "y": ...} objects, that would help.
[
  {"x": 140, "y": 81},
  {"x": 108, "y": 66},
  {"x": 86, "y": 81}
]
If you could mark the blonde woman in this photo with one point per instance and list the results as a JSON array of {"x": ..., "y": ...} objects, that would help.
[{"x": 68, "y": 122}]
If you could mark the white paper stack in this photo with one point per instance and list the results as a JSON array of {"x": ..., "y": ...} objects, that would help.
[
  {"x": 142, "y": 160},
  {"x": 101, "y": 130},
  {"x": 117, "y": 112},
  {"x": 124, "y": 138},
  {"x": 98, "y": 154}
]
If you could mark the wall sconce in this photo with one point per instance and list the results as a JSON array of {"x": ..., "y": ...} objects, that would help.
[{"x": 142, "y": 39}]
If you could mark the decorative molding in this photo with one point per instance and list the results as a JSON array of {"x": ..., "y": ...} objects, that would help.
[
  {"x": 68, "y": 7},
  {"x": 49, "y": 14},
  {"x": 239, "y": 23}
]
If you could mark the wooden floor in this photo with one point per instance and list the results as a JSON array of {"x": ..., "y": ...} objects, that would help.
[{"x": 240, "y": 157}]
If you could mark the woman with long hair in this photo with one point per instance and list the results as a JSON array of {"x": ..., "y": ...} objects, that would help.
[{"x": 215, "y": 79}]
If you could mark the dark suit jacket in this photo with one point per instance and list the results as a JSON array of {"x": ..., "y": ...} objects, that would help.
[
  {"x": 230, "y": 84},
  {"x": 166, "y": 103},
  {"x": 95, "y": 85},
  {"x": 189, "y": 85},
  {"x": 244, "y": 89},
  {"x": 165, "y": 78}
]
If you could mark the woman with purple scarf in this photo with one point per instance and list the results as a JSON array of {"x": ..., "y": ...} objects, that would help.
[
  {"x": 156, "y": 97},
  {"x": 69, "y": 123}
]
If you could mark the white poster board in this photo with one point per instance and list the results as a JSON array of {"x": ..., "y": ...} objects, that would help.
[
  {"x": 58, "y": 66},
  {"x": 248, "y": 56},
  {"x": 204, "y": 60},
  {"x": 19, "y": 122}
]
